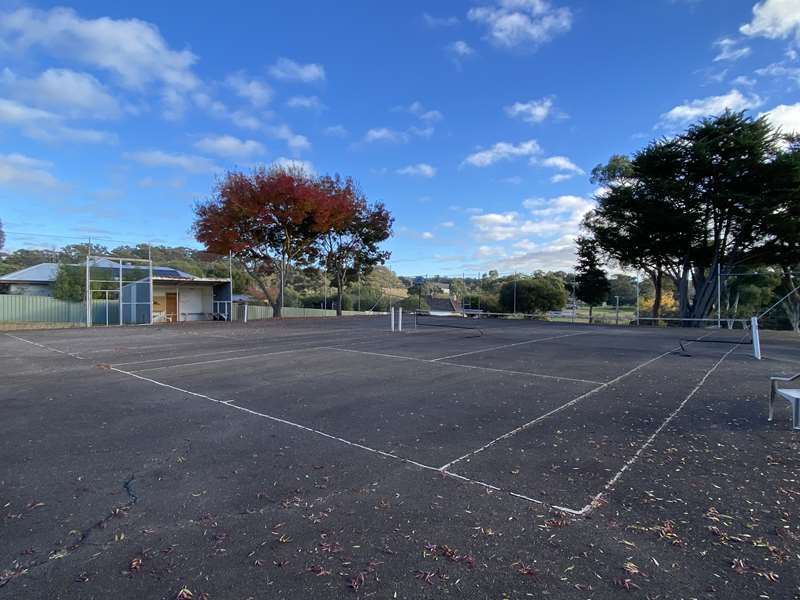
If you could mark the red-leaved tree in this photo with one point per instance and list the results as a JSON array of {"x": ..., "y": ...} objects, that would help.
[
  {"x": 349, "y": 245},
  {"x": 267, "y": 219}
]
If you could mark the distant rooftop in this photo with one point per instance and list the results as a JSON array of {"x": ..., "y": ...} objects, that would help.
[{"x": 46, "y": 272}]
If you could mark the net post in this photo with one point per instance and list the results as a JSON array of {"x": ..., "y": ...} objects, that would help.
[
  {"x": 88, "y": 298},
  {"x": 756, "y": 338},
  {"x": 245, "y": 312},
  {"x": 391, "y": 317},
  {"x": 719, "y": 297},
  {"x": 400, "y": 319},
  {"x": 150, "y": 259}
]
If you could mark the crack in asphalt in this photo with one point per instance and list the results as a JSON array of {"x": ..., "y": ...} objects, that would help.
[{"x": 7, "y": 576}]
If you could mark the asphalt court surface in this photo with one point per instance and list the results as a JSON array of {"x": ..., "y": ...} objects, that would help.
[{"x": 574, "y": 402}]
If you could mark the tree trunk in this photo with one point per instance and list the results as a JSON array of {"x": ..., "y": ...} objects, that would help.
[
  {"x": 339, "y": 294},
  {"x": 277, "y": 307},
  {"x": 590, "y": 314},
  {"x": 658, "y": 281}
]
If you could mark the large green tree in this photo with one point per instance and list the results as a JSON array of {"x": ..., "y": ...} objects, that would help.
[
  {"x": 699, "y": 202},
  {"x": 534, "y": 295},
  {"x": 592, "y": 283}
]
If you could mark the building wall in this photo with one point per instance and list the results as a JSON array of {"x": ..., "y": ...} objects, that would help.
[{"x": 30, "y": 289}]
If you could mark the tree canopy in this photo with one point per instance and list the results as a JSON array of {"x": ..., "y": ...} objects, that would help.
[
  {"x": 593, "y": 285},
  {"x": 271, "y": 219},
  {"x": 721, "y": 194}
]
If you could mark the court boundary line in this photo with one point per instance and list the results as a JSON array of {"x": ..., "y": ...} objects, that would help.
[
  {"x": 443, "y": 470},
  {"x": 636, "y": 455},
  {"x": 475, "y": 367},
  {"x": 383, "y": 453},
  {"x": 550, "y": 413},
  {"x": 544, "y": 339},
  {"x": 205, "y": 362},
  {"x": 42, "y": 346}
]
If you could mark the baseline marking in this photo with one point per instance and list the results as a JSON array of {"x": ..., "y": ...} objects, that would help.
[
  {"x": 475, "y": 367},
  {"x": 419, "y": 465},
  {"x": 152, "y": 360},
  {"x": 632, "y": 460},
  {"x": 544, "y": 339},
  {"x": 558, "y": 409},
  {"x": 50, "y": 348}
]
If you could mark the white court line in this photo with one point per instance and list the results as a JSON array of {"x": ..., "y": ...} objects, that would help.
[
  {"x": 50, "y": 348},
  {"x": 419, "y": 465},
  {"x": 152, "y": 360},
  {"x": 219, "y": 360},
  {"x": 558, "y": 409},
  {"x": 632, "y": 460},
  {"x": 554, "y": 337},
  {"x": 475, "y": 367}
]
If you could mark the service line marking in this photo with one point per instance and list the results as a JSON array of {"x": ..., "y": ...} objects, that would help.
[
  {"x": 633, "y": 459},
  {"x": 558, "y": 409},
  {"x": 544, "y": 339},
  {"x": 474, "y": 367}
]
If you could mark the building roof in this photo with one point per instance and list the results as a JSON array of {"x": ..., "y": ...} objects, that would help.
[
  {"x": 46, "y": 272},
  {"x": 41, "y": 273}
]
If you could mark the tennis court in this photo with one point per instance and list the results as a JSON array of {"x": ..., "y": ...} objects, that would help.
[{"x": 335, "y": 458}]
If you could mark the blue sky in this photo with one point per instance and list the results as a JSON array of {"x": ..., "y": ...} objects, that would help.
[{"x": 476, "y": 122}]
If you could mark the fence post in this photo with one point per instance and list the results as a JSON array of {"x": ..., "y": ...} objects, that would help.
[
  {"x": 391, "y": 317},
  {"x": 756, "y": 339},
  {"x": 400, "y": 319}
]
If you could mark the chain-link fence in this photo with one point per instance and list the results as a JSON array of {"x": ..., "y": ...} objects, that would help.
[{"x": 48, "y": 281}]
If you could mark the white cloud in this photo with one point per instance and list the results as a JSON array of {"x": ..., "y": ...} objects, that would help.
[
  {"x": 743, "y": 80},
  {"x": 561, "y": 215},
  {"x": 419, "y": 110},
  {"x": 186, "y": 162},
  {"x": 46, "y": 126},
  {"x": 460, "y": 49},
  {"x": 305, "y": 102},
  {"x": 254, "y": 91},
  {"x": 289, "y": 70},
  {"x": 534, "y": 111},
  {"x": 419, "y": 169},
  {"x": 436, "y": 22},
  {"x": 774, "y": 19},
  {"x": 568, "y": 168},
  {"x": 295, "y": 141},
  {"x": 447, "y": 224},
  {"x": 70, "y": 93},
  {"x": 18, "y": 170},
  {"x": 291, "y": 163},
  {"x": 230, "y": 146},
  {"x": 336, "y": 131},
  {"x": 489, "y": 252},
  {"x": 781, "y": 71},
  {"x": 785, "y": 116},
  {"x": 573, "y": 208},
  {"x": 385, "y": 134},
  {"x": 427, "y": 235},
  {"x": 502, "y": 151},
  {"x": 131, "y": 49},
  {"x": 729, "y": 49},
  {"x": 521, "y": 23},
  {"x": 712, "y": 105}
]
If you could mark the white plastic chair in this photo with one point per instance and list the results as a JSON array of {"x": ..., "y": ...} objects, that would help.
[{"x": 792, "y": 395}]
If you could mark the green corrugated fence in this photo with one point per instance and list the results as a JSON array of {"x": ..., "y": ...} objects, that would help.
[
  {"x": 43, "y": 309},
  {"x": 40, "y": 309}
]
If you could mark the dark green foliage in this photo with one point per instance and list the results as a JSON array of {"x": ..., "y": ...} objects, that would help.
[
  {"x": 723, "y": 193},
  {"x": 592, "y": 282},
  {"x": 70, "y": 283},
  {"x": 534, "y": 295}
]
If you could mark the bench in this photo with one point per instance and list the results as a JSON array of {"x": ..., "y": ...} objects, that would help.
[{"x": 791, "y": 395}]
